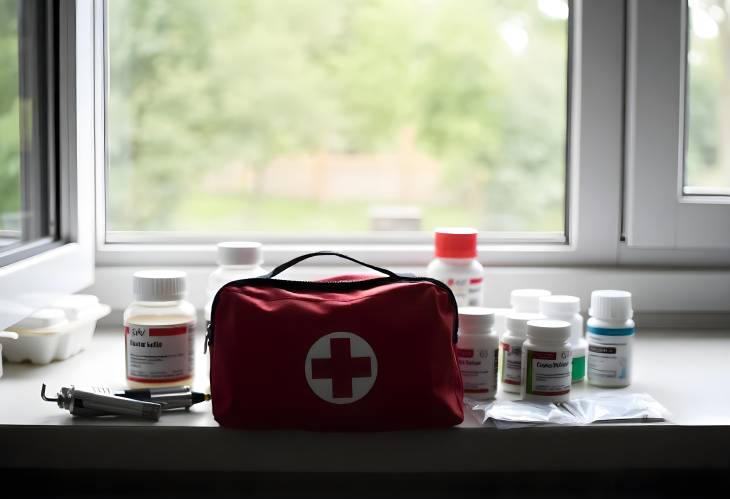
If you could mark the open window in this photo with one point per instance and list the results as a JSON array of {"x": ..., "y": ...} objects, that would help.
[{"x": 46, "y": 174}]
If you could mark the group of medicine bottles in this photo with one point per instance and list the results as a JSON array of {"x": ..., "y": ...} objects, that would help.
[
  {"x": 548, "y": 329},
  {"x": 543, "y": 358},
  {"x": 543, "y": 351},
  {"x": 159, "y": 325}
]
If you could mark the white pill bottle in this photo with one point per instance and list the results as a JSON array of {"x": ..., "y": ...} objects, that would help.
[
  {"x": 236, "y": 260},
  {"x": 457, "y": 266},
  {"x": 477, "y": 350},
  {"x": 567, "y": 308},
  {"x": 546, "y": 365},
  {"x": 510, "y": 350},
  {"x": 159, "y": 329},
  {"x": 527, "y": 300},
  {"x": 610, "y": 332}
]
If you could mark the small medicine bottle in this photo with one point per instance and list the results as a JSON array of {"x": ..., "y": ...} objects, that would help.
[
  {"x": 457, "y": 266},
  {"x": 546, "y": 362},
  {"x": 510, "y": 350},
  {"x": 567, "y": 308},
  {"x": 476, "y": 350},
  {"x": 236, "y": 260},
  {"x": 527, "y": 300},
  {"x": 159, "y": 329},
  {"x": 610, "y": 332}
]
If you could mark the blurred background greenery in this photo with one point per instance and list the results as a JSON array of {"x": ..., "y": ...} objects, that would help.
[
  {"x": 10, "y": 205},
  {"x": 306, "y": 115}
]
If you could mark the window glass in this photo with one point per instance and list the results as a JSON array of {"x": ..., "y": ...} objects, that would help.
[
  {"x": 311, "y": 116},
  {"x": 10, "y": 189},
  {"x": 707, "y": 169}
]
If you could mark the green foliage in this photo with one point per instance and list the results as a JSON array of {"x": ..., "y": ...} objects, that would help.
[
  {"x": 9, "y": 114},
  {"x": 198, "y": 86}
]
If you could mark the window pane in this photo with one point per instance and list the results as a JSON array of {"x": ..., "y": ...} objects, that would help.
[
  {"x": 10, "y": 202},
  {"x": 707, "y": 169},
  {"x": 304, "y": 116}
]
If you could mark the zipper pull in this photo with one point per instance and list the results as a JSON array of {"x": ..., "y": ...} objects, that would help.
[{"x": 208, "y": 337}]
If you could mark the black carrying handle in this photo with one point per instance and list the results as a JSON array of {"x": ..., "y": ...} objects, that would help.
[{"x": 281, "y": 268}]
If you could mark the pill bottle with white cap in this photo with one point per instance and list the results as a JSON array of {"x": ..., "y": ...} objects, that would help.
[
  {"x": 159, "y": 328},
  {"x": 457, "y": 266},
  {"x": 527, "y": 300},
  {"x": 476, "y": 350},
  {"x": 236, "y": 260},
  {"x": 510, "y": 350},
  {"x": 567, "y": 308},
  {"x": 546, "y": 361},
  {"x": 610, "y": 332}
]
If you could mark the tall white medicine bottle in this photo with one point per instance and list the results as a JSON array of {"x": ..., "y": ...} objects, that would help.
[
  {"x": 567, "y": 308},
  {"x": 477, "y": 351},
  {"x": 510, "y": 350},
  {"x": 236, "y": 260},
  {"x": 457, "y": 266},
  {"x": 159, "y": 328},
  {"x": 610, "y": 331}
]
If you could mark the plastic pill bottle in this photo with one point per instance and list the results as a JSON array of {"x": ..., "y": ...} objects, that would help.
[
  {"x": 610, "y": 332},
  {"x": 457, "y": 266},
  {"x": 476, "y": 350},
  {"x": 567, "y": 308},
  {"x": 527, "y": 300},
  {"x": 510, "y": 350},
  {"x": 236, "y": 260},
  {"x": 546, "y": 361},
  {"x": 159, "y": 328}
]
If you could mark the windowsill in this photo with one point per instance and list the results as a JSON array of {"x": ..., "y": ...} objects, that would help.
[{"x": 686, "y": 373}]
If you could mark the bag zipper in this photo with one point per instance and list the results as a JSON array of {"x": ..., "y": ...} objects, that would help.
[{"x": 328, "y": 286}]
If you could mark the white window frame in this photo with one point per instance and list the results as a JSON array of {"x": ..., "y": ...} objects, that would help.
[
  {"x": 658, "y": 212},
  {"x": 33, "y": 282},
  {"x": 594, "y": 192}
]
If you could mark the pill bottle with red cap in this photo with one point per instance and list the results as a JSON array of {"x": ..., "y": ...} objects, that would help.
[{"x": 457, "y": 266}]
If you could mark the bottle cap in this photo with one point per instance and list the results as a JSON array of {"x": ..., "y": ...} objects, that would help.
[
  {"x": 517, "y": 322},
  {"x": 559, "y": 305},
  {"x": 548, "y": 330},
  {"x": 527, "y": 300},
  {"x": 611, "y": 304},
  {"x": 159, "y": 285},
  {"x": 456, "y": 242},
  {"x": 239, "y": 253},
  {"x": 475, "y": 319}
]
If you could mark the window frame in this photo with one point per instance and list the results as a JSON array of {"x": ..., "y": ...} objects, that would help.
[
  {"x": 600, "y": 211},
  {"x": 578, "y": 245},
  {"x": 42, "y": 270},
  {"x": 656, "y": 140}
]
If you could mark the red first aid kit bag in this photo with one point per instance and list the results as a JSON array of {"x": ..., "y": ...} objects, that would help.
[{"x": 347, "y": 353}]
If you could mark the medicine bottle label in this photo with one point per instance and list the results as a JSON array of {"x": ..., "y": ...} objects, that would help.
[
  {"x": 548, "y": 373},
  {"x": 467, "y": 291},
  {"x": 608, "y": 361},
  {"x": 159, "y": 353},
  {"x": 478, "y": 370},
  {"x": 511, "y": 364}
]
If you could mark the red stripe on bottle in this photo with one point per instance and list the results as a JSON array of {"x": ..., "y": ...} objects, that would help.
[{"x": 168, "y": 331}]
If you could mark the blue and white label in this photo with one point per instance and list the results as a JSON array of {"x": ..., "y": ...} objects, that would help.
[{"x": 609, "y": 361}]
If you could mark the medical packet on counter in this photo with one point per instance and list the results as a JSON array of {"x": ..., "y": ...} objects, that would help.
[{"x": 599, "y": 408}]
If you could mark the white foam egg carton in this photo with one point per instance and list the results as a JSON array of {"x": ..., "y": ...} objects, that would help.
[{"x": 55, "y": 333}]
